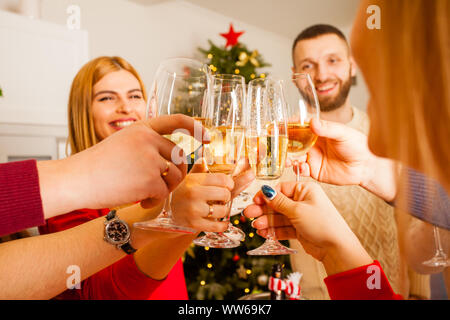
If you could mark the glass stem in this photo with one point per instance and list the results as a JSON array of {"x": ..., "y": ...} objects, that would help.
[
  {"x": 227, "y": 218},
  {"x": 229, "y": 205},
  {"x": 297, "y": 177},
  {"x": 167, "y": 212},
  {"x": 270, "y": 219},
  {"x": 437, "y": 241}
]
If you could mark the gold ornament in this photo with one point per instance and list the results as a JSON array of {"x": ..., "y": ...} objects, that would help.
[
  {"x": 213, "y": 68},
  {"x": 244, "y": 58}
]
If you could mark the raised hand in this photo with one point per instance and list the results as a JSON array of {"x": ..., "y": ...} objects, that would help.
[
  {"x": 305, "y": 213},
  {"x": 341, "y": 156},
  {"x": 124, "y": 168}
]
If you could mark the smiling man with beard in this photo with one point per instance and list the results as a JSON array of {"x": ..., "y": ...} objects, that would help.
[{"x": 322, "y": 51}]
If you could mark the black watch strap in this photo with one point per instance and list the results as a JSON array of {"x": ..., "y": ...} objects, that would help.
[
  {"x": 111, "y": 215},
  {"x": 128, "y": 248}
]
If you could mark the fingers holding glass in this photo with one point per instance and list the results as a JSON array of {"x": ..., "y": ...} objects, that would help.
[
  {"x": 173, "y": 87},
  {"x": 224, "y": 120},
  {"x": 303, "y": 106},
  {"x": 266, "y": 141}
]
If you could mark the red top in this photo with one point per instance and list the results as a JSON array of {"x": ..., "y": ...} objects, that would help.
[
  {"x": 364, "y": 283},
  {"x": 20, "y": 197},
  {"x": 121, "y": 280}
]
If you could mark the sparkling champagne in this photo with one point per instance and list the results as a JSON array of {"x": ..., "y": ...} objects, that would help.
[
  {"x": 301, "y": 138},
  {"x": 223, "y": 152},
  {"x": 267, "y": 155}
]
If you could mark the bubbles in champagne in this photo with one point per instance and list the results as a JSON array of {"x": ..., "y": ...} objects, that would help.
[
  {"x": 267, "y": 155},
  {"x": 301, "y": 138}
]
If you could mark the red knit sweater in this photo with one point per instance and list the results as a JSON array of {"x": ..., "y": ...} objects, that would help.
[
  {"x": 20, "y": 197},
  {"x": 122, "y": 280}
]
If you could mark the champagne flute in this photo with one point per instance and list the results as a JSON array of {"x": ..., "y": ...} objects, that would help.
[
  {"x": 302, "y": 107},
  {"x": 243, "y": 199},
  {"x": 266, "y": 141},
  {"x": 179, "y": 87},
  {"x": 440, "y": 259},
  {"x": 224, "y": 116},
  {"x": 241, "y": 202}
]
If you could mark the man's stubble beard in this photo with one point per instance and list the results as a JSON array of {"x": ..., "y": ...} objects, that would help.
[{"x": 332, "y": 103}]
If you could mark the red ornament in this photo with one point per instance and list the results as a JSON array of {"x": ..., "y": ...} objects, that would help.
[
  {"x": 242, "y": 219},
  {"x": 231, "y": 36},
  {"x": 236, "y": 257},
  {"x": 187, "y": 72}
]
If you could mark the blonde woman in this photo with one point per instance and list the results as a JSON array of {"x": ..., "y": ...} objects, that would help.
[
  {"x": 107, "y": 95},
  {"x": 407, "y": 69}
]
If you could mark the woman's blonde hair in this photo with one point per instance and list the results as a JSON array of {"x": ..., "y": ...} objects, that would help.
[
  {"x": 414, "y": 91},
  {"x": 81, "y": 124}
]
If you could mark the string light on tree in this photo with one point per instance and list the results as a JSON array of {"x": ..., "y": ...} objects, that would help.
[{"x": 230, "y": 273}]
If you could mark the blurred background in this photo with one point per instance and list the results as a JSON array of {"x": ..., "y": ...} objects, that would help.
[{"x": 45, "y": 42}]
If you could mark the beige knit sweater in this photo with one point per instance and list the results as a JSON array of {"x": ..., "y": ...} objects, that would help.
[{"x": 373, "y": 222}]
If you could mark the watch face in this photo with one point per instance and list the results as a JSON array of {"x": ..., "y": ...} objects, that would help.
[{"x": 117, "y": 232}]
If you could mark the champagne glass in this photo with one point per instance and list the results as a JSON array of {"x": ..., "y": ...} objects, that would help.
[
  {"x": 266, "y": 141},
  {"x": 242, "y": 201},
  {"x": 224, "y": 116},
  {"x": 303, "y": 105},
  {"x": 440, "y": 259},
  {"x": 179, "y": 87}
]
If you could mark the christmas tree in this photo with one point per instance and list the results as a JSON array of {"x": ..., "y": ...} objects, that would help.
[
  {"x": 215, "y": 274},
  {"x": 234, "y": 57}
]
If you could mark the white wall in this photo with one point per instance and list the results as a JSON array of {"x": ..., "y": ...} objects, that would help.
[
  {"x": 358, "y": 93},
  {"x": 145, "y": 35}
]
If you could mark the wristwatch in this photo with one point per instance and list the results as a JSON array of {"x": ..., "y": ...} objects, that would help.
[{"x": 117, "y": 233}]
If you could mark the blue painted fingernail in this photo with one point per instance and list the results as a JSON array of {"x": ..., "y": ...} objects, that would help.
[{"x": 268, "y": 192}]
